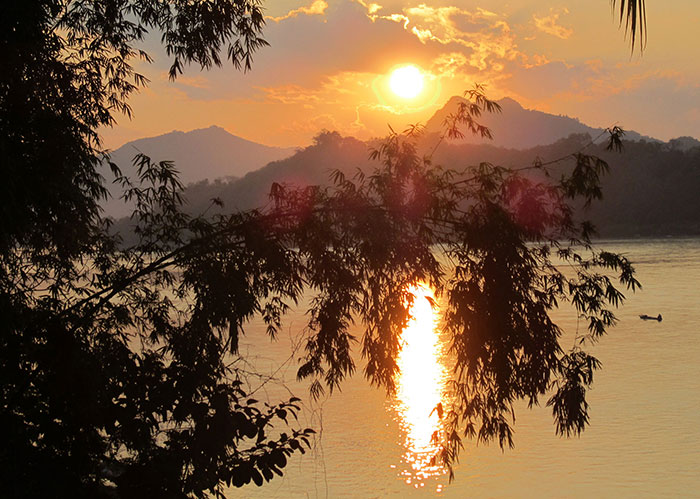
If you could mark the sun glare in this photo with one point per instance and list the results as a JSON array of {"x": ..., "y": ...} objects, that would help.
[
  {"x": 420, "y": 385},
  {"x": 406, "y": 81}
]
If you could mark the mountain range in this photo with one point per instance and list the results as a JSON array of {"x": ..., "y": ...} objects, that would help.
[{"x": 651, "y": 190}]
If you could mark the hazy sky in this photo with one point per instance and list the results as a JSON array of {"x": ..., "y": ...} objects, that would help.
[{"x": 329, "y": 60}]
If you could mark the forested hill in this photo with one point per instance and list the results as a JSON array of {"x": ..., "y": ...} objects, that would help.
[
  {"x": 310, "y": 166},
  {"x": 652, "y": 188}
]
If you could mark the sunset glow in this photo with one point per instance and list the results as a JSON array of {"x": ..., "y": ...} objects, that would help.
[
  {"x": 406, "y": 81},
  {"x": 420, "y": 386},
  {"x": 559, "y": 58}
]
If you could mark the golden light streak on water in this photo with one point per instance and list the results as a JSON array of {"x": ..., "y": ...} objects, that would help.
[{"x": 420, "y": 386}]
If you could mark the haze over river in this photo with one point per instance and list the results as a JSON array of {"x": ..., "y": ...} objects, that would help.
[{"x": 643, "y": 440}]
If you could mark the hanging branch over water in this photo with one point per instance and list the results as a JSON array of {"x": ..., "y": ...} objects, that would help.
[
  {"x": 115, "y": 360},
  {"x": 504, "y": 230},
  {"x": 358, "y": 246}
]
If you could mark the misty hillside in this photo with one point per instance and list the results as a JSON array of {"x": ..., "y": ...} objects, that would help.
[
  {"x": 310, "y": 166},
  {"x": 683, "y": 143},
  {"x": 651, "y": 190},
  {"x": 207, "y": 153},
  {"x": 204, "y": 153},
  {"x": 519, "y": 128}
]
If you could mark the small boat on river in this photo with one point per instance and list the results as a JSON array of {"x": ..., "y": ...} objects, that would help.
[{"x": 646, "y": 317}]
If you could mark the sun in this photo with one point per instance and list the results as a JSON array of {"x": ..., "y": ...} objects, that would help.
[{"x": 406, "y": 81}]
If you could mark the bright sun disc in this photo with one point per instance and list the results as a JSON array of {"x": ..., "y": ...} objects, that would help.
[{"x": 406, "y": 81}]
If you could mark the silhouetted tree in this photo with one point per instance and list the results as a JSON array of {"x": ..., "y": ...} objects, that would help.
[
  {"x": 119, "y": 364},
  {"x": 106, "y": 386}
]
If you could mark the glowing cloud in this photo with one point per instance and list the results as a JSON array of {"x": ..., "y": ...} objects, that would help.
[
  {"x": 372, "y": 8},
  {"x": 548, "y": 24},
  {"x": 317, "y": 8},
  {"x": 329, "y": 66},
  {"x": 481, "y": 35}
]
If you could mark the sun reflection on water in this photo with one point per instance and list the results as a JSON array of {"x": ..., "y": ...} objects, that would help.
[{"x": 420, "y": 388}]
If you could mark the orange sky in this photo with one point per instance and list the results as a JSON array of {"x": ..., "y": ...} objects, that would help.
[{"x": 329, "y": 61}]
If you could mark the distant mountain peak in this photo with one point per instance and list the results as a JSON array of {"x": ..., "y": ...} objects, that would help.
[
  {"x": 203, "y": 153},
  {"x": 215, "y": 129},
  {"x": 509, "y": 103},
  {"x": 209, "y": 132},
  {"x": 515, "y": 127},
  {"x": 454, "y": 100},
  {"x": 504, "y": 102},
  {"x": 519, "y": 128}
]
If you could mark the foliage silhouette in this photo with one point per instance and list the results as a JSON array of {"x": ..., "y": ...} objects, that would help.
[
  {"x": 119, "y": 366},
  {"x": 115, "y": 378},
  {"x": 369, "y": 239}
]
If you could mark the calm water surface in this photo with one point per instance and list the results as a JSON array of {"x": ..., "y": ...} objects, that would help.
[{"x": 643, "y": 441}]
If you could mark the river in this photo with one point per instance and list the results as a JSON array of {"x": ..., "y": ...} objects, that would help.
[{"x": 643, "y": 440}]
